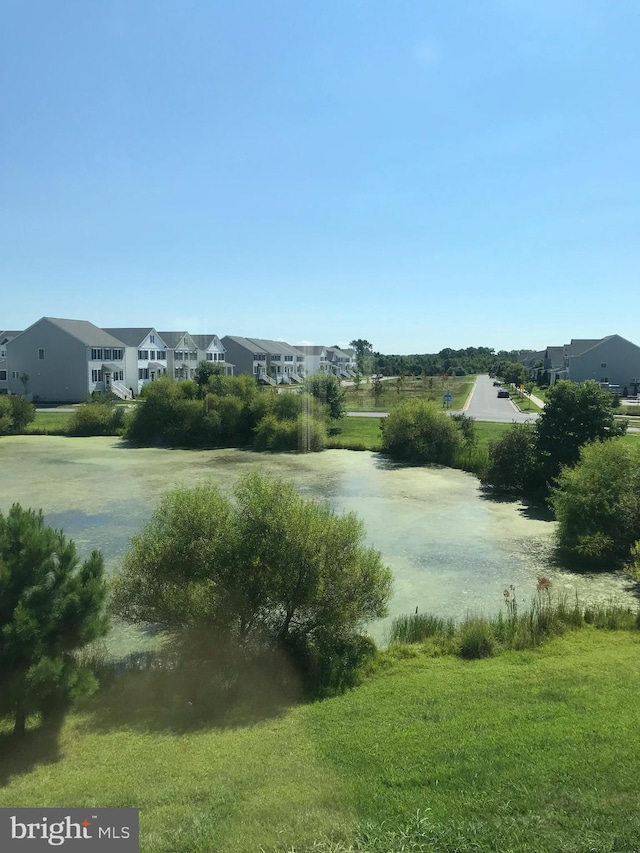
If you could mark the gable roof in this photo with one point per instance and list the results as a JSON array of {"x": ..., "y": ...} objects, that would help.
[
  {"x": 172, "y": 339},
  {"x": 580, "y": 345},
  {"x": 606, "y": 340},
  {"x": 248, "y": 343},
  {"x": 205, "y": 341},
  {"x": 133, "y": 337},
  {"x": 81, "y": 330},
  {"x": 274, "y": 346}
]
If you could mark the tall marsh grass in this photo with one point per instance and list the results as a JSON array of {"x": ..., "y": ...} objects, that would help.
[{"x": 547, "y": 616}]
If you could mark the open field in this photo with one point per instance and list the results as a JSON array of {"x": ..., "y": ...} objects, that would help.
[
  {"x": 396, "y": 390},
  {"x": 527, "y": 752}
]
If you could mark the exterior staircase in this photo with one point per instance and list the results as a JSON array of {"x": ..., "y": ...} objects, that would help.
[{"x": 120, "y": 390}]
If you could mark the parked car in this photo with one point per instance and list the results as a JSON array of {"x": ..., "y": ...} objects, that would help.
[
  {"x": 502, "y": 392},
  {"x": 496, "y": 383}
]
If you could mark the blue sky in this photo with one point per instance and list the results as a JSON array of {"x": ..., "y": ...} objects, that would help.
[{"x": 421, "y": 174}]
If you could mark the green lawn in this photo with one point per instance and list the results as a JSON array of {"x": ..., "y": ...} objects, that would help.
[
  {"x": 393, "y": 392},
  {"x": 528, "y": 752},
  {"x": 365, "y": 433},
  {"x": 49, "y": 422}
]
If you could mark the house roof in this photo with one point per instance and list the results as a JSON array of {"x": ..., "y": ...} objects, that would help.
[
  {"x": 311, "y": 350},
  {"x": 172, "y": 339},
  {"x": 133, "y": 337},
  {"x": 580, "y": 345},
  {"x": 274, "y": 346},
  {"x": 205, "y": 341},
  {"x": 248, "y": 343},
  {"x": 605, "y": 340},
  {"x": 83, "y": 331}
]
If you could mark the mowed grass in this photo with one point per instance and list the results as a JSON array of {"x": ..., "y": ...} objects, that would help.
[
  {"x": 394, "y": 392},
  {"x": 527, "y": 752},
  {"x": 364, "y": 433},
  {"x": 50, "y": 423}
]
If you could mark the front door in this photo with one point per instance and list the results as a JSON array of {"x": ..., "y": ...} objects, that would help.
[{"x": 107, "y": 381}]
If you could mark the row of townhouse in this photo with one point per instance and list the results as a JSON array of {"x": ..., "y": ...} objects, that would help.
[
  {"x": 612, "y": 361},
  {"x": 66, "y": 360}
]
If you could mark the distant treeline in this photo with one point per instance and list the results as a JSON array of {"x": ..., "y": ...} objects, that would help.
[{"x": 458, "y": 362}]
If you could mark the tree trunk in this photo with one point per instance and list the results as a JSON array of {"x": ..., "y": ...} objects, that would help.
[{"x": 20, "y": 723}]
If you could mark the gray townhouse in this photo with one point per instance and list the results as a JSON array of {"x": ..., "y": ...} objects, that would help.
[
  {"x": 268, "y": 361},
  {"x": 182, "y": 354},
  {"x": 145, "y": 355},
  {"x": 611, "y": 361},
  {"x": 65, "y": 360},
  {"x": 340, "y": 362}
]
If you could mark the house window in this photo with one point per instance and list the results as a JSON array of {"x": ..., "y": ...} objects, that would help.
[
  {"x": 3, "y": 353},
  {"x": 40, "y": 355},
  {"x": 3, "y": 375},
  {"x": 15, "y": 374},
  {"x": 604, "y": 379},
  {"x": 96, "y": 355},
  {"x": 152, "y": 339},
  {"x": 96, "y": 375},
  {"x": 162, "y": 355},
  {"x": 288, "y": 358},
  {"x": 193, "y": 355},
  {"x": 143, "y": 354},
  {"x": 143, "y": 373},
  {"x": 603, "y": 364},
  {"x": 117, "y": 354},
  {"x": 107, "y": 354}
]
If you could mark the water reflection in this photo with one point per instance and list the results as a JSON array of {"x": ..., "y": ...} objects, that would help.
[{"x": 451, "y": 549}]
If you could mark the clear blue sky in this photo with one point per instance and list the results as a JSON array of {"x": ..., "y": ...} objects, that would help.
[{"x": 420, "y": 174}]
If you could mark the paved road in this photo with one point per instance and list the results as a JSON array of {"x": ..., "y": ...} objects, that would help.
[{"x": 485, "y": 405}]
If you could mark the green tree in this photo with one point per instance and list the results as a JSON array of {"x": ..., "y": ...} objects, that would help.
[
  {"x": 416, "y": 431},
  {"x": 512, "y": 465},
  {"x": 364, "y": 354},
  {"x": 15, "y": 413},
  {"x": 202, "y": 375},
  {"x": 376, "y": 388},
  {"x": 597, "y": 503},
  {"x": 574, "y": 414},
  {"x": 270, "y": 568},
  {"x": 50, "y": 606},
  {"x": 326, "y": 388}
]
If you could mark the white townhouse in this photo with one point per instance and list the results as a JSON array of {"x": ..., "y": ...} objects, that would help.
[
  {"x": 5, "y": 337},
  {"x": 316, "y": 359},
  {"x": 182, "y": 354},
  {"x": 145, "y": 355},
  {"x": 211, "y": 349}
]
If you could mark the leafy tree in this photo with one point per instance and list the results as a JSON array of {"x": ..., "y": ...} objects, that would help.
[
  {"x": 574, "y": 414},
  {"x": 203, "y": 373},
  {"x": 364, "y": 352},
  {"x": 326, "y": 388},
  {"x": 270, "y": 568},
  {"x": 513, "y": 461},
  {"x": 50, "y": 606},
  {"x": 25, "y": 379},
  {"x": 416, "y": 431},
  {"x": 376, "y": 388},
  {"x": 6, "y": 415},
  {"x": 597, "y": 503}
]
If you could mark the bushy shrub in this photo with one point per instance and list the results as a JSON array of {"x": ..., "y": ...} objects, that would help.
[
  {"x": 476, "y": 639},
  {"x": 305, "y": 434},
  {"x": 512, "y": 466},
  {"x": 15, "y": 413},
  {"x": 597, "y": 503},
  {"x": 416, "y": 431},
  {"x": 96, "y": 419}
]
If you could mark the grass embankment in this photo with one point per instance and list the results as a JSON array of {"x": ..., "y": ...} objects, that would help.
[
  {"x": 395, "y": 391},
  {"x": 527, "y": 752},
  {"x": 49, "y": 423},
  {"x": 364, "y": 433}
]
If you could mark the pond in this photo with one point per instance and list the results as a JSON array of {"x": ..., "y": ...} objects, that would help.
[{"x": 451, "y": 550}]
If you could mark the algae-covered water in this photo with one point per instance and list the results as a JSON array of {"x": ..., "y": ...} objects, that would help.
[{"x": 451, "y": 550}]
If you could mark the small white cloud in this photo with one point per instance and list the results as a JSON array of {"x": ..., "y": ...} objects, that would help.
[
  {"x": 428, "y": 54},
  {"x": 304, "y": 344}
]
